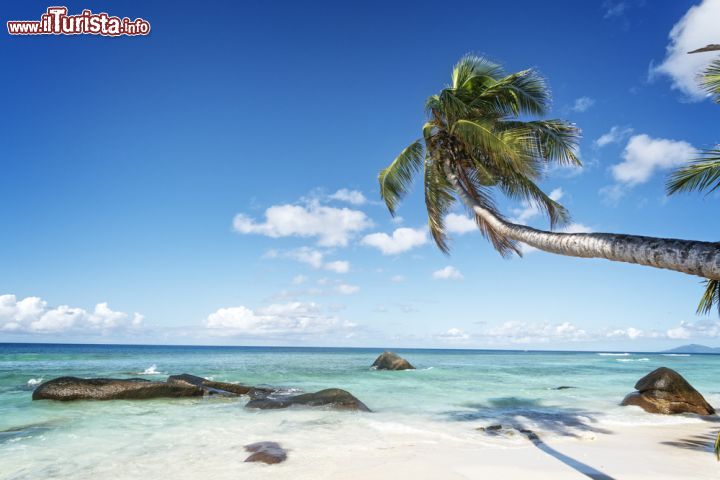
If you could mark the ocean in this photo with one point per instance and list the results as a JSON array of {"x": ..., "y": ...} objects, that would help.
[{"x": 446, "y": 399}]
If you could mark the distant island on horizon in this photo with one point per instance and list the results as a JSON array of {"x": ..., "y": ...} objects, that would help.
[{"x": 694, "y": 348}]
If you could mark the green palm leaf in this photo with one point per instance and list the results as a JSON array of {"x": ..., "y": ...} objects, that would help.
[
  {"x": 710, "y": 80},
  {"x": 702, "y": 174},
  {"x": 395, "y": 180}
]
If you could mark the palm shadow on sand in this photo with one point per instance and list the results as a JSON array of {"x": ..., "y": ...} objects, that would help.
[{"x": 524, "y": 414}]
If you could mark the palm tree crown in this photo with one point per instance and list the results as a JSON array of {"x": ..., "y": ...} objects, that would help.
[{"x": 477, "y": 133}]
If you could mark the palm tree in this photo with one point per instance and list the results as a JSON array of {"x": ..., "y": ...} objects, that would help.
[{"x": 477, "y": 142}]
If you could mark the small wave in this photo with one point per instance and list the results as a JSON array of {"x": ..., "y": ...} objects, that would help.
[
  {"x": 151, "y": 370},
  {"x": 614, "y": 354},
  {"x": 34, "y": 381},
  {"x": 675, "y": 354},
  {"x": 633, "y": 359}
]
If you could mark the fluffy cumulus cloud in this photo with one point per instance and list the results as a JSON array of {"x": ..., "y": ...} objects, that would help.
[
  {"x": 294, "y": 319},
  {"x": 353, "y": 197},
  {"x": 616, "y": 134},
  {"x": 582, "y": 104},
  {"x": 34, "y": 315},
  {"x": 331, "y": 226},
  {"x": 459, "y": 224},
  {"x": 447, "y": 273},
  {"x": 696, "y": 29},
  {"x": 401, "y": 240},
  {"x": 644, "y": 155}
]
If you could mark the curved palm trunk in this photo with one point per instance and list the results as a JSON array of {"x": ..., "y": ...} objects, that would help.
[{"x": 687, "y": 256}]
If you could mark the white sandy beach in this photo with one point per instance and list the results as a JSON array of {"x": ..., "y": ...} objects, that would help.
[{"x": 628, "y": 453}]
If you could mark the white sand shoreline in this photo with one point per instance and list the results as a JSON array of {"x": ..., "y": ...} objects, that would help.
[{"x": 658, "y": 452}]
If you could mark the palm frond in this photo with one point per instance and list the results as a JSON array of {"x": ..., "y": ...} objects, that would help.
[
  {"x": 710, "y": 80},
  {"x": 522, "y": 188},
  {"x": 717, "y": 447},
  {"x": 395, "y": 180},
  {"x": 482, "y": 196},
  {"x": 481, "y": 135},
  {"x": 710, "y": 298},
  {"x": 523, "y": 92},
  {"x": 473, "y": 67},
  {"x": 557, "y": 141},
  {"x": 702, "y": 174},
  {"x": 439, "y": 199}
]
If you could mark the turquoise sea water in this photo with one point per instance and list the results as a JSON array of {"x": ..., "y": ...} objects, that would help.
[{"x": 451, "y": 393}]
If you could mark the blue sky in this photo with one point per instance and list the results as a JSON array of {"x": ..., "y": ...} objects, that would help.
[{"x": 215, "y": 181}]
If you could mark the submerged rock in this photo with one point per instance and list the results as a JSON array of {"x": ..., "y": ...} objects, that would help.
[
  {"x": 391, "y": 361},
  {"x": 266, "y": 452},
  {"x": 563, "y": 387},
  {"x": 666, "y": 391},
  {"x": 214, "y": 388},
  {"x": 331, "y": 397},
  {"x": 73, "y": 388}
]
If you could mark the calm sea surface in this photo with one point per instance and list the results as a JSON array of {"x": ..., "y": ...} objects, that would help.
[{"x": 451, "y": 393}]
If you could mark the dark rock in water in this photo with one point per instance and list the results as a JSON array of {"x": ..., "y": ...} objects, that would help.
[
  {"x": 391, "y": 361},
  {"x": 666, "y": 391},
  {"x": 214, "y": 388},
  {"x": 332, "y": 397},
  {"x": 491, "y": 428},
  {"x": 266, "y": 452},
  {"x": 72, "y": 388},
  {"x": 562, "y": 387}
]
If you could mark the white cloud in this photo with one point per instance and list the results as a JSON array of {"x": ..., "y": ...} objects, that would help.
[
  {"x": 643, "y": 155},
  {"x": 613, "y": 9},
  {"x": 402, "y": 240},
  {"x": 306, "y": 255},
  {"x": 33, "y": 315},
  {"x": 398, "y": 279},
  {"x": 338, "y": 266},
  {"x": 332, "y": 226},
  {"x": 696, "y": 29},
  {"x": 285, "y": 319},
  {"x": 631, "y": 332},
  {"x": 459, "y": 224},
  {"x": 582, "y": 104},
  {"x": 448, "y": 273},
  {"x": 454, "y": 335},
  {"x": 312, "y": 257},
  {"x": 697, "y": 329},
  {"x": 616, "y": 134},
  {"x": 346, "y": 289},
  {"x": 299, "y": 279},
  {"x": 354, "y": 197},
  {"x": 525, "y": 332},
  {"x": 531, "y": 210}
]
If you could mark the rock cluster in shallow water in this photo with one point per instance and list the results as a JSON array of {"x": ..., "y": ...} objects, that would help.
[{"x": 186, "y": 385}]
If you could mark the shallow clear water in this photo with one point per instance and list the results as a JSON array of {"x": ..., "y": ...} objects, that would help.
[{"x": 451, "y": 393}]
